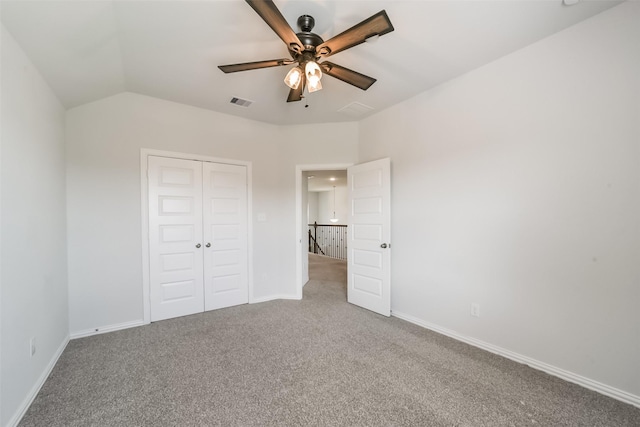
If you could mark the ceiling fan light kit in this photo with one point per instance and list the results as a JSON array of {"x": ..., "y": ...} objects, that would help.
[{"x": 307, "y": 49}]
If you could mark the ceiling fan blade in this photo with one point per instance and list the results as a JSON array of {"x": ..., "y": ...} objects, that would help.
[
  {"x": 296, "y": 94},
  {"x": 347, "y": 75},
  {"x": 269, "y": 12},
  {"x": 376, "y": 25},
  {"x": 234, "y": 68}
]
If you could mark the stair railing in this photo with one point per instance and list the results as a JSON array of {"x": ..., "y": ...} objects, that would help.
[{"x": 328, "y": 239}]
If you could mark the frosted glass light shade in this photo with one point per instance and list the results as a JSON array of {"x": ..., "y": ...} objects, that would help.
[
  {"x": 312, "y": 87},
  {"x": 293, "y": 78},
  {"x": 314, "y": 74}
]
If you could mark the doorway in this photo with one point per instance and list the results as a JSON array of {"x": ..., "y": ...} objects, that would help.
[
  {"x": 327, "y": 213},
  {"x": 303, "y": 217},
  {"x": 369, "y": 238}
]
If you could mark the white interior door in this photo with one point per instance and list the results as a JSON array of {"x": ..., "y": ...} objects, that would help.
[
  {"x": 175, "y": 237},
  {"x": 369, "y": 258},
  {"x": 225, "y": 235}
]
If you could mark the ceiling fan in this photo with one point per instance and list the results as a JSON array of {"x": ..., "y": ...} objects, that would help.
[{"x": 307, "y": 49}]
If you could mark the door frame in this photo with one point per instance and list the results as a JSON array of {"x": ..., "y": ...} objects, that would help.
[
  {"x": 144, "y": 203},
  {"x": 299, "y": 244}
]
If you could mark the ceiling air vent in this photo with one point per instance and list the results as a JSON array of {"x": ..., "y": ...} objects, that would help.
[
  {"x": 241, "y": 102},
  {"x": 356, "y": 109}
]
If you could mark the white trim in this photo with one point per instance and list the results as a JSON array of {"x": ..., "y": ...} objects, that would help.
[
  {"x": 274, "y": 298},
  {"x": 144, "y": 203},
  {"x": 596, "y": 386},
  {"x": 250, "y": 229},
  {"x": 28, "y": 400},
  {"x": 144, "y": 195},
  {"x": 105, "y": 329},
  {"x": 299, "y": 169}
]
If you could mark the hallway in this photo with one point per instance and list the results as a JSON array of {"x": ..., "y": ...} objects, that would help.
[{"x": 329, "y": 271}]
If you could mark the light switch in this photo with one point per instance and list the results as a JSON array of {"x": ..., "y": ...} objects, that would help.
[{"x": 262, "y": 217}]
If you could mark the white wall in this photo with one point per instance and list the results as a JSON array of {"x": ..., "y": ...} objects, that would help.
[
  {"x": 103, "y": 166},
  {"x": 517, "y": 187},
  {"x": 312, "y": 207},
  {"x": 323, "y": 144},
  {"x": 325, "y": 206},
  {"x": 33, "y": 278}
]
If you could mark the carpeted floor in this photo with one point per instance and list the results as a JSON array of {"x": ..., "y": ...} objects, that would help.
[{"x": 319, "y": 361}]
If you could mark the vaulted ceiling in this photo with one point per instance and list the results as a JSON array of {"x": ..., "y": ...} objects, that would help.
[{"x": 88, "y": 50}]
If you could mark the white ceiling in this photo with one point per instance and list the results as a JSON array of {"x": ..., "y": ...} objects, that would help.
[{"x": 87, "y": 50}]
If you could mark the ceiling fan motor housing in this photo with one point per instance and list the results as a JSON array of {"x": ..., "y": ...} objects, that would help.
[{"x": 309, "y": 40}]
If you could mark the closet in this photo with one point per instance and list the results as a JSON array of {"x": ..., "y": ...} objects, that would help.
[{"x": 197, "y": 236}]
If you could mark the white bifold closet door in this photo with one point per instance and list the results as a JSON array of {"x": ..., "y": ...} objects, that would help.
[
  {"x": 225, "y": 229},
  {"x": 197, "y": 236}
]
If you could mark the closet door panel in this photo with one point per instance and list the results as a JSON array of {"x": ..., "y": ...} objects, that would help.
[
  {"x": 175, "y": 228},
  {"x": 225, "y": 235}
]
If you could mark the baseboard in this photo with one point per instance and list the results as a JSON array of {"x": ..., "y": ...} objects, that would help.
[
  {"x": 26, "y": 403},
  {"x": 105, "y": 329},
  {"x": 596, "y": 386},
  {"x": 272, "y": 298}
]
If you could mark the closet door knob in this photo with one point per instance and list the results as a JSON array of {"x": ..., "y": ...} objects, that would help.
[
  {"x": 198, "y": 245},
  {"x": 208, "y": 245}
]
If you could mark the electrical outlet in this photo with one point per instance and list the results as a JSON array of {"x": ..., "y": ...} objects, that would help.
[
  {"x": 475, "y": 309},
  {"x": 32, "y": 346}
]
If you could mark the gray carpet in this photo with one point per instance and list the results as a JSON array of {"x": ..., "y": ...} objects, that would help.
[{"x": 319, "y": 361}]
